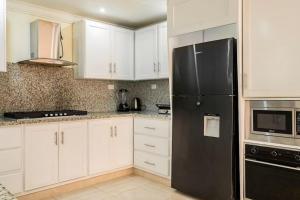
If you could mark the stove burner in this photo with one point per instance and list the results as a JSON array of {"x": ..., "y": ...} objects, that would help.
[{"x": 42, "y": 114}]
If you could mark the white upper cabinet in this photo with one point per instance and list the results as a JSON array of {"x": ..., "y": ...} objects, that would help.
[
  {"x": 163, "y": 68},
  {"x": 123, "y": 54},
  {"x": 102, "y": 51},
  {"x": 2, "y": 35},
  {"x": 186, "y": 16},
  {"x": 146, "y": 53},
  {"x": 151, "y": 52},
  {"x": 73, "y": 150},
  {"x": 271, "y": 64}
]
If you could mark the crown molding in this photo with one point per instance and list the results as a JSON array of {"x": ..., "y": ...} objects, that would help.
[{"x": 40, "y": 11}]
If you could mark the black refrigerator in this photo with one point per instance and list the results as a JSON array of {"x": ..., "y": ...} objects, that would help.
[{"x": 205, "y": 141}]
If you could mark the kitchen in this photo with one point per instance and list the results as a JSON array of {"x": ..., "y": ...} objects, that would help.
[{"x": 177, "y": 99}]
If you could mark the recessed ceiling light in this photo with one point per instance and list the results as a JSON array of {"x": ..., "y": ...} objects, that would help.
[{"x": 102, "y": 10}]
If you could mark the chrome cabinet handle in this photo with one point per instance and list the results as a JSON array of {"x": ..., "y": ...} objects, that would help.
[
  {"x": 154, "y": 67},
  {"x": 111, "y": 132},
  {"x": 62, "y": 137},
  {"x": 149, "y": 163},
  {"x": 110, "y": 67},
  {"x": 116, "y": 131},
  {"x": 150, "y": 128},
  {"x": 56, "y": 138},
  {"x": 115, "y": 68},
  {"x": 158, "y": 67},
  {"x": 149, "y": 145}
]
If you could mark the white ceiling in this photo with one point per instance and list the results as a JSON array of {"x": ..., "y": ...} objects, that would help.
[{"x": 131, "y": 13}]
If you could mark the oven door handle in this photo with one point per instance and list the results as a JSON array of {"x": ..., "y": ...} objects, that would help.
[{"x": 272, "y": 164}]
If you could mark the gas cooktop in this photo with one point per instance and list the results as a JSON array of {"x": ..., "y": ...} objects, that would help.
[{"x": 42, "y": 114}]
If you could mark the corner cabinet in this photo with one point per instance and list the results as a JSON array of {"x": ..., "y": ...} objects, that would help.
[
  {"x": 103, "y": 51},
  {"x": 186, "y": 16},
  {"x": 151, "y": 52},
  {"x": 270, "y": 60},
  {"x": 3, "y": 36},
  {"x": 110, "y": 144}
]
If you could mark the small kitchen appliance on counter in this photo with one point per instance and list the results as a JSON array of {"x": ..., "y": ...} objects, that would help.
[
  {"x": 122, "y": 98},
  {"x": 164, "y": 109},
  {"x": 136, "y": 104},
  {"x": 42, "y": 114}
]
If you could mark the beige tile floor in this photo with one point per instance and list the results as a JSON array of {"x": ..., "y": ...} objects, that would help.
[{"x": 129, "y": 188}]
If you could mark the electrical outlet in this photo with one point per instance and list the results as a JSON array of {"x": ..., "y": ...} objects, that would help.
[
  {"x": 153, "y": 86},
  {"x": 111, "y": 87}
]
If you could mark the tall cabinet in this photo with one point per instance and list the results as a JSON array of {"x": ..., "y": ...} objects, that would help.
[
  {"x": 2, "y": 35},
  {"x": 271, "y": 48},
  {"x": 151, "y": 52}
]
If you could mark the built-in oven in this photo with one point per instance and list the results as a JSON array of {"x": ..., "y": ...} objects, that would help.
[
  {"x": 275, "y": 118},
  {"x": 272, "y": 173}
]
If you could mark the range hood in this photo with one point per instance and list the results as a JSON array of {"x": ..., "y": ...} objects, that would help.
[{"x": 46, "y": 46}]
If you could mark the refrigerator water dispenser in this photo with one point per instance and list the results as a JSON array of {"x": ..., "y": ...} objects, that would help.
[{"x": 212, "y": 126}]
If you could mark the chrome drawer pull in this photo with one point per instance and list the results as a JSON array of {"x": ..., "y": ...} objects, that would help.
[
  {"x": 149, "y": 163},
  {"x": 150, "y": 128},
  {"x": 149, "y": 145}
]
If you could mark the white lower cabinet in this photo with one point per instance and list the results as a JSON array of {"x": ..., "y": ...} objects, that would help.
[
  {"x": 41, "y": 155},
  {"x": 73, "y": 150},
  {"x": 110, "y": 144},
  {"x": 54, "y": 152},
  {"x": 11, "y": 168},
  {"x": 152, "y": 146}
]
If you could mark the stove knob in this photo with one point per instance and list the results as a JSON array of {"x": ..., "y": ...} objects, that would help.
[
  {"x": 297, "y": 157},
  {"x": 56, "y": 114},
  {"x": 253, "y": 150},
  {"x": 51, "y": 115},
  {"x": 60, "y": 114},
  {"x": 65, "y": 114},
  {"x": 46, "y": 115},
  {"x": 274, "y": 153}
]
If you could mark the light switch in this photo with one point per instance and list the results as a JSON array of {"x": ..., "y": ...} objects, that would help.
[
  {"x": 111, "y": 86},
  {"x": 153, "y": 86},
  {"x": 212, "y": 126}
]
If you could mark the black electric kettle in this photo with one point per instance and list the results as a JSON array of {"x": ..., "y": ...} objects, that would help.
[{"x": 136, "y": 104}]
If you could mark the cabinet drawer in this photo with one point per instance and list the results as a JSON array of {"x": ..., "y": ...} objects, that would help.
[
  {"x": 10, "y": 160},
  {"x": 151, "y": 144},
  {"x": 160, "y": 128},
  {"x": 10, "y": 137},
  {"x": 152, "y": 163},
  {"x": 13, "y": 182}
]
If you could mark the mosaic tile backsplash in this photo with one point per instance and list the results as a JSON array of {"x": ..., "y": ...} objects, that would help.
[{"x": 35, "y": 88}]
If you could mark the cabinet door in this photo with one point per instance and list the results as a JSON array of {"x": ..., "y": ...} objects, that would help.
[
  {"x": 98, "y": 42},
  {"x": 187, "y": 16},
  {"x": 146, "y": 53},
  {"x": 72, "y": 150},
  {"x": 123, "y": 49},
  {"x": 122, "y": 148},
  {"x": 271, "y": 48},
  {"x": 163, "y": 50},
  {"x": 2, "y": 35},
  {"x": 41, "y": 155},
  {"x": 100, "y": 140}
]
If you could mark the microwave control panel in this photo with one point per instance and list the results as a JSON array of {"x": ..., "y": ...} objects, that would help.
[{"x": 298, "y": 122}]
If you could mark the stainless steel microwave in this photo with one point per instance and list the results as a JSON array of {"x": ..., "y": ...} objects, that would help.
[{"x": 276, "y": 118}]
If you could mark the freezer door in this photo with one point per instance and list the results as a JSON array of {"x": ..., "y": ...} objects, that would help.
[
  {"x": 205, "y": 166},
  {"x": 184, "y": 72},
  {"x": 217, "y": 66}
]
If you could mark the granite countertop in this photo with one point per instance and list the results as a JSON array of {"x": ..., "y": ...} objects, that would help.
[
  {"x": 96, "y": 115},
  {"x": 5, "y": 194}
]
